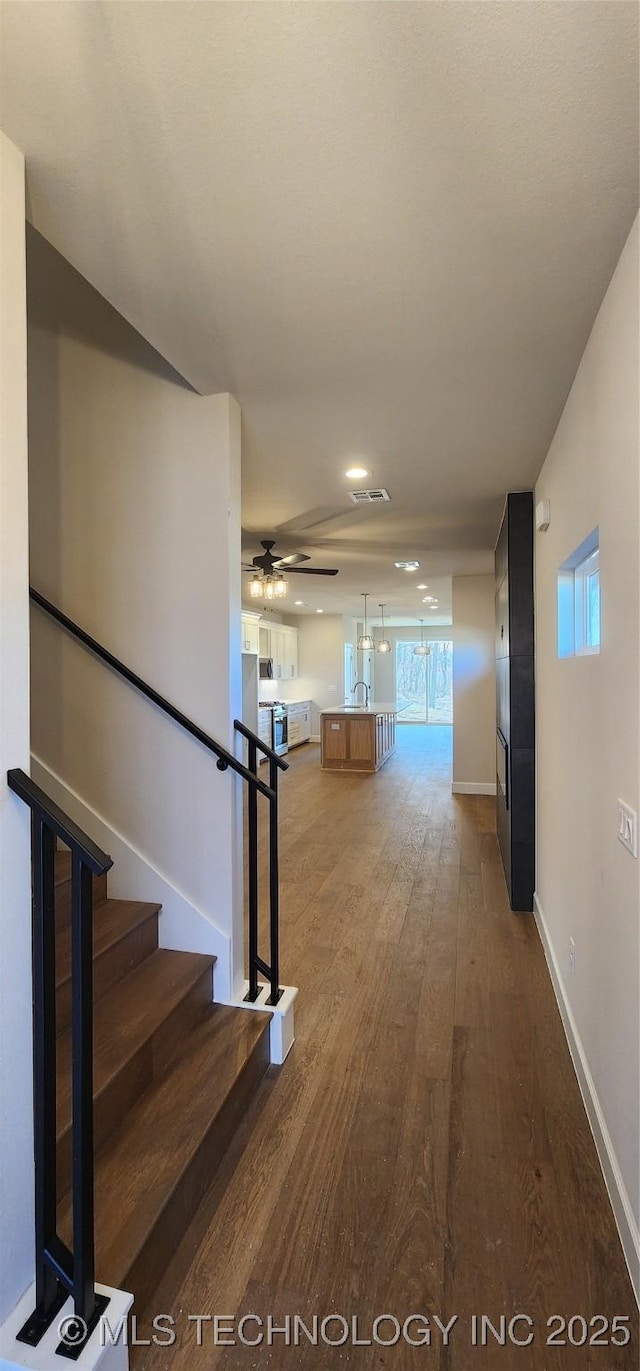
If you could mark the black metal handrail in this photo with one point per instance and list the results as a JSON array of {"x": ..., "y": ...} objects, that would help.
[
  {"x": 225, "y": 758},
  {"x": 61, "y": 1272},
  {"x": 257, "y": 965},
  {"x": 263, "y": 747}
]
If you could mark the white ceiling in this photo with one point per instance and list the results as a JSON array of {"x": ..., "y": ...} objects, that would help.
[{"x": 385, "y": 227}]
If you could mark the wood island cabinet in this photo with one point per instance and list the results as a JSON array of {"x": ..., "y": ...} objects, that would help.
[{"x": 354, "y": 741}]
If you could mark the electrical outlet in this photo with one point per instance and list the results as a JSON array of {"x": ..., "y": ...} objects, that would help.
[
  {"x": 628, "y": 827},
  {"x": 572, "y": 956}
]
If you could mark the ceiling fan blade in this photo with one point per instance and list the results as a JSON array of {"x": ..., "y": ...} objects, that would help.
[
  {"x": 311, "y": 571},
  {"x": 313, "y": 518},
  {"x": 292, "y": 559}
]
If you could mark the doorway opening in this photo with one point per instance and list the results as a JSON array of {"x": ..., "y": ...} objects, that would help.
[{"x": 424, "y": 683}]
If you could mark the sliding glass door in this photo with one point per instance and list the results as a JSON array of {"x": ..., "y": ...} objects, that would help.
[{"x": 424, "y": 684}]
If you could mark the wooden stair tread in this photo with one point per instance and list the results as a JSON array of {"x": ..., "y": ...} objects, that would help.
[
  {"x": 62, "y": 866},
  {"x": 128, "y": 1017},
  {"x": 62, "y": 884},
  {"x": 112, "y": 921},
  {"x": 144, "y": 1162}
]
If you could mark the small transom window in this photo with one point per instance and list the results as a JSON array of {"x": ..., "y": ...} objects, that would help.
[{"x": 579, "y": 600}]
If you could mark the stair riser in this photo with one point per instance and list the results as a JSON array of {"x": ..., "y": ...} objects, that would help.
[
  {"x": 144, "y": 1274},
  {"x": 113, "y": 1103},
  {"x": 63, "y": 898},
  {"x": 111, "y": 966}
]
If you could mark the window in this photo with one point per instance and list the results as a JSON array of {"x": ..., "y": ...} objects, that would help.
[
  {"x": 424, "y": 683},
  {"x": 587, "y": 604},
  {"x": 579, "y": 600}
]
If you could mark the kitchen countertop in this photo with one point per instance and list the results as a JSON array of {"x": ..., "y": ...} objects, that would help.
[
  {"x": 374, "y": 708},
  {"x": 290, "y": 704}
]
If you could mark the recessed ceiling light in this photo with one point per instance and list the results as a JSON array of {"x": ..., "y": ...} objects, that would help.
[
  {"x": 422, "y": 586},
  {"x": 357, "y": 473},
  {"x": 319, "y": 611},
  {"x": 407, "y": 566},
  {"x": 428, "y": 600}
]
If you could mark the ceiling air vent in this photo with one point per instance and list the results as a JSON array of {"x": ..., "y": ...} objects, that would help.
[{"x": 368, "y": 497}]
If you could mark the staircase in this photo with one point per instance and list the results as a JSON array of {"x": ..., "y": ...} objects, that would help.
[
  {"x": 173, "y": 1076},
  {"x": 139, "y": 1079}
]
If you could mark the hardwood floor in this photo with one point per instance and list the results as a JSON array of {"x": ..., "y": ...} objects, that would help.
[{"x": 424, "y": 1150}]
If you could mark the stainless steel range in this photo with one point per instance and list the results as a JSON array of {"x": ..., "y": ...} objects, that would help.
[{"x": 280, "y": 729}]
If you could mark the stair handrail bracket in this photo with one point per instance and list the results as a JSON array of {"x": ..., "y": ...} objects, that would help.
[{"x": 61, "y": 1272}]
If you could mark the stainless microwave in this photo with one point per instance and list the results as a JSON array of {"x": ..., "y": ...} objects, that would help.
[{"x": 266, "y": 668}]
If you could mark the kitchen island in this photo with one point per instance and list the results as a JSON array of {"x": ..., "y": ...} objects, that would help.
[{"x": 357, "y": 737}]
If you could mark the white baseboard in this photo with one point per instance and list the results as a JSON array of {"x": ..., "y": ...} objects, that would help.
[
  {"x": 473, "y": 788},
  {"x": 620, "y": 1202},
  {"x": 182, "y": 927}
]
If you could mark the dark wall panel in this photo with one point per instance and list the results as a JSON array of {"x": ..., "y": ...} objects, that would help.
[{"x": 515, "y": 698}]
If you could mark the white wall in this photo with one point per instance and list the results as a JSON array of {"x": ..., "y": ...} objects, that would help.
[
  {"x": 474, "y": 689},
  {"x": 135, "y": 511},
  {"x": 588, "y": 741},
  {"x": 16, "y": 1170}
]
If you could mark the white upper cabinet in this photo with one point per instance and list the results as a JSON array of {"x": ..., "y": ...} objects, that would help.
[
  {"x": 250, "y": 633},
  {"x": 280, "y": 643},
  {"x": 290, "y": 653}
]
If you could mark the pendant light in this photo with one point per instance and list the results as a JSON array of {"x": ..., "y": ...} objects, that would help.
[
  {"x": 422, "y": 649},
  {"x": 365, "y": 641},
  {"x": 383, "y": 645}
]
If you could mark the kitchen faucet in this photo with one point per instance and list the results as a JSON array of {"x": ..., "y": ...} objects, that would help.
[{"x": 366, "y": 692}]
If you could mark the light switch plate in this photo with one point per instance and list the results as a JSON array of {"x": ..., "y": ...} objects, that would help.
[{"x": 628, "y": 827}]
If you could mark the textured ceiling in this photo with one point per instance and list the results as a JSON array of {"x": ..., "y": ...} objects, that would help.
[{"x": 385, "y": 227}]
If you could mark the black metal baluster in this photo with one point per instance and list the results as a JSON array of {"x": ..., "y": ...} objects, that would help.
[
  {"x": 252, "y": 811},
  {"x": 50, "y": 1295},
  {"x": 82, "y": 1089},
  {"x": 274, "y": 886}
]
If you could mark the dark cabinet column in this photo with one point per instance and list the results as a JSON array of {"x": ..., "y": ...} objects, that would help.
[{"x": 515, "y": 699}]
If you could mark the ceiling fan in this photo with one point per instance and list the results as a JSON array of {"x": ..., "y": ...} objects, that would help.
[{"x": 267, "y": 579}]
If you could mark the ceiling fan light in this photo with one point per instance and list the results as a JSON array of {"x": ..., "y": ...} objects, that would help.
[
  {"x": 255, "y": 587},
  {"x": 280, "y": 587}
]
